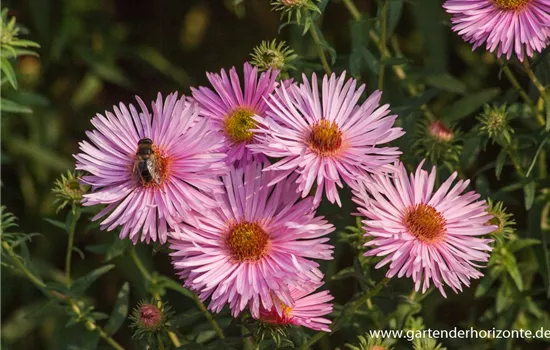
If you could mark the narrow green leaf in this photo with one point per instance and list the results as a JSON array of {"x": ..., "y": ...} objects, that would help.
[
  {"x": 539, "y": 149},
  {"x": 446, "y": 82},
  {"x": 395, "y": 9},
  {"x": 529, "y": 192},
  {"x": 83, "y": 283},
  {"x": 511, "y": 266},
  {"x": 117, "y": 248},
  {"x": 56, "y": 223},
  {"x": 13, "y": 107},
  {"x": 487, "y": 281},
  {"x": 541, "y": 208},
  {"x": 501, "y": 159},
  {"x": 547, "y": 107},
  {"x": 521, "y": 243},
  {"x": 468, "y": 104},
  {"x": 7, "y": 68},
  {"x": 370, "y": 60},
  {"x": 120, "y": 311}
]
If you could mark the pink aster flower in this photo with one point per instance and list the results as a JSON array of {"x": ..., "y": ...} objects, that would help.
[
  {"x": 231, "y": 108},
  {"x": 520, "y": 26},
  {"x": 425, "y": 234},
  {"x": 308, "y": 309},
  {"x": 254, "y": 246},
  {"x": 326, "y": 136},
  {"x": 180, "y": 158}
]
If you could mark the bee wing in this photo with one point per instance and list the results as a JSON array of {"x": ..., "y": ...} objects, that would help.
[{"x": 152, "y": 166}]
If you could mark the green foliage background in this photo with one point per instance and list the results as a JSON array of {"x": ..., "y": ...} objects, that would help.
[{"x": 95, "y": 54}]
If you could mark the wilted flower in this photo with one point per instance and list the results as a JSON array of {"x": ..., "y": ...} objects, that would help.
[
  {"x": 155, "y": 197},
  {"x": 326, "y": 136},
  {"x": 431, "y": 236},
  {"x": 495, "y": 123},
  {"x": 273, "y": 55},
  {"x": 437, "y": 142},
  {"x": 520, "y": 26},
  {"x": 255, "y": 246},
  {"x": 69, "y": 190},
  {"x": 230, "y": 108},
  {"x": 307, "y": 311}
]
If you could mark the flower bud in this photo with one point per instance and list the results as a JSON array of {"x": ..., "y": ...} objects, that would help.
[
  {"x": 69, "y": 190},
  {"x": 501, "y": 219},
  {"x": 273, "y": 55},
  {"x": 151, "y": 320},
  {"x": 495, "y": 124},
  {"x": 149, "y": 317},
  {"x": 437, "y": 142},
  {"x": 295, "y": 8}
]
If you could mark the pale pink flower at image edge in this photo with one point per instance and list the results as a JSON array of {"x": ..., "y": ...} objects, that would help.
[
  {"x": 326, "y": 136},
  {"x": 308, "y": 310},
  {"x": 191, "y": 158},
  {"x": 254, "y": 246},
  {"x": 431, "y": 236},
  {"x": 521, "y": 26},
  {"x": 229, "y": 106}
]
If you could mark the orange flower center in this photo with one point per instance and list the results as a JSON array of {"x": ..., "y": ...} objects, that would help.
[
  {"x": 247, "y": 241},
  {"x": 237, "y": 125},
  {"x": 378, "y": 347},
  {"x": 510, "y": 4},
  {"x": 425, "y": 223},
  {"x": 325, "y": 137}
]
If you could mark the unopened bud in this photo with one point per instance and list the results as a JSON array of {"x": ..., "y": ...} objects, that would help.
[
  {"x": 69, "y": 190},
  {"x": 439, "y": 131},
  {"x": 149, "y": 317},
  {"x": 495, "y": 124},
  {"x": 273, "y": 55}
]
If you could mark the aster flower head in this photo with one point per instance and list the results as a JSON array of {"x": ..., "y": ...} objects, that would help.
[
  {"x": 254, "y": 246},
  {"x": 508, "y": 26},
  {"x": 325, "y": 135},
  {"x": 429, "y": 235},
  {"x": 147, "y": 199},
  {"x": 231, "y": 108},
  {"x": 307, "y": 311}
]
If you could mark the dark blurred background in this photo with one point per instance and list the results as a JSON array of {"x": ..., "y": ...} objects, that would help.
[{"x": 95, "y": 54}]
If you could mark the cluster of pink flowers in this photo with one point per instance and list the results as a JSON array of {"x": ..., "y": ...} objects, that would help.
[{"x": 232, "y": 178}]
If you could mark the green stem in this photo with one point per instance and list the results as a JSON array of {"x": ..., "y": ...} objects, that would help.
[
  {"x": 533, "y": 77},
  {"x": 512, "y": 78},
  {"x": 139, "y": 264},
  {"x": 320, "y": 50},
  {"x": 109, "y": 340},
  {"x": 41, "y": 285},
  {"x": 76, "y": 215},
  {"x": 383, "y": 29},
  {"x": 174, "y": 339},
  {"x": 35, "y": 280},
  {"x": 160, "y": 342},
  {"x": 208, "y": 316},
  {"x": 183, "y": 291},
  {"x": 349, "y": 310},
  {"x": 352, "y": 9}
]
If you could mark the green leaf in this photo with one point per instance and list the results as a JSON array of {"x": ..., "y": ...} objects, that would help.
[
  {"x": 359, "y": 38},
  {"x": 83, "y": 283},
  {"x": 538, "y": 214},
  {"x": 370, "y": 60},
  {"x": 120, "y": 311},
  {"x": 547, "y": 106},
  {"x": 511, "y": 266},
  {"x": 7, "y": 68},
  {"x": 169, "y": 283},
  {"x": 539, "y": 149},
  {"x": 487, "y": 281},
  {"x": 529, "y": 193},
  {"x": 468, "y": 104},
  {"x": 446, "y": 82},
  {"x": 394, "y": 10},
  {"x": 13, "y": 107},
  {"x": 521, "y": 243},
  {"x": 56, "y": 223},
  {"x": 429, "y": 17},
  {"x": 41, "y": 155},
  {"x": 117, "y": 248},
  {"x": 325, "y": 44},
  {"x": 158, "y": 61},
  {"x": 501, "y": 159}
]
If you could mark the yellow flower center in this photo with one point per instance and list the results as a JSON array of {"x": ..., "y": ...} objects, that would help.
[
  {"x": 247, "y": 241},
  {"x": 510, "y": 4},
  {"x": 425, "y": 223},
  {"x": 325, "y": 137},
  {"x": 237, "y": 125}
]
